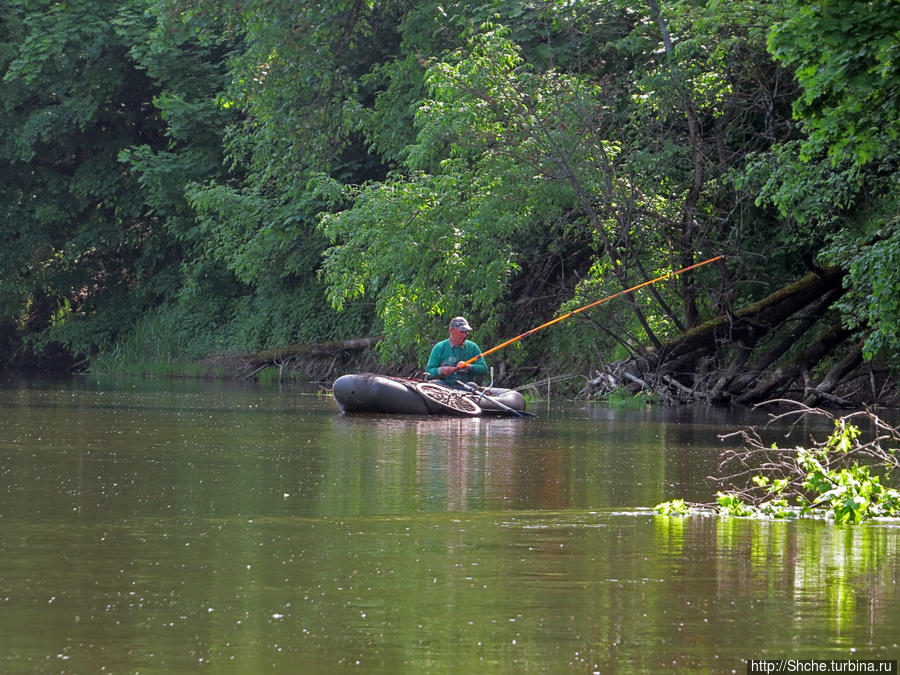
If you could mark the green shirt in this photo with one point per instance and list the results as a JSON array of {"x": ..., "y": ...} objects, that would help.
[{"x": 445, "y": 354}]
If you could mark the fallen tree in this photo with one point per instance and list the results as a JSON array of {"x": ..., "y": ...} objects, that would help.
[
  {"x": 751, "y": 354},
  {"x": 318, "y": 360},
  {"x": 284, "y": 355}
]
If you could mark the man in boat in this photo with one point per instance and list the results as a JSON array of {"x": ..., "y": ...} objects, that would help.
[{"x": 446, "y": 362}]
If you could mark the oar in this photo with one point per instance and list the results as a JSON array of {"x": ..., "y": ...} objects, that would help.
[
  {"x": 520, "y": 413},
  {"x": 668, "y": 275}
]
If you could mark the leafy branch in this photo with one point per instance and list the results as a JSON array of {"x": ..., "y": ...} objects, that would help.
[{"x": 840, "y": 477}]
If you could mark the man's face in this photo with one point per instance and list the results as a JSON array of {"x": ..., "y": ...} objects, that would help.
[{"x": 457, "y": 336}]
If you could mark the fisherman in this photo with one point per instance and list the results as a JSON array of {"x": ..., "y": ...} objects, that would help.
[{"x": 448, "y": 357}]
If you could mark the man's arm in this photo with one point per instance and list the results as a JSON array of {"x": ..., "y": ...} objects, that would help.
[{"x": 434, "y": 361}]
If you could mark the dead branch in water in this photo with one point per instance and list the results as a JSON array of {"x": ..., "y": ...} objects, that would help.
[{"x": 755, "y": 458}]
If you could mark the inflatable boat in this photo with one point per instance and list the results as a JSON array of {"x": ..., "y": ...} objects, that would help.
[{"x": 367, "y": 392}]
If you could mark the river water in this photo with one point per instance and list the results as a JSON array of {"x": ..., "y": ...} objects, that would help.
[{"x": 159, "y": 526}]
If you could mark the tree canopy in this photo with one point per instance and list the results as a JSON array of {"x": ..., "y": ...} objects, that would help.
[{"x": 185, "y": 177}]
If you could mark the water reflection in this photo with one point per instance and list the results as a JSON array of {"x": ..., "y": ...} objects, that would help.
[
  {"x": 240, "y": 530},
  {"x": 829, "y": 590},
  {"x": 430, "y": 464}
]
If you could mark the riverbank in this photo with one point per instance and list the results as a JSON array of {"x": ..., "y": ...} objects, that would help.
[
  {"x": 874, "y": 384},
  {"x": 298, "y": 365}
]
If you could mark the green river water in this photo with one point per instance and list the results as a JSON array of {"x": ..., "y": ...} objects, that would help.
[{"x": 151, "y": 526}]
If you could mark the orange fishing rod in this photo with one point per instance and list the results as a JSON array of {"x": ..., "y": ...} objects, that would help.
[{"x": 667, "y": 275}]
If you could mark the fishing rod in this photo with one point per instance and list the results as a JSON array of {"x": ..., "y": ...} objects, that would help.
[{"x": 667, "y": 275}]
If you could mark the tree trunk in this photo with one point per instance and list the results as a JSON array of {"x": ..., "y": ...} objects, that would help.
[
  {"x": 698, "y": 162},
  {"x": 783, "y": 377},
  {"x": 812, "y": 317},
  {"x": 834, "y": 376},
  {"x": 705, "y": 363},
  {"x": 279, "y": 356},
  {"x": 749, "y": 323}
]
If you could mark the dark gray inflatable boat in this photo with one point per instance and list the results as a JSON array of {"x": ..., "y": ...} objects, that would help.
[{"x": 367, "y": 392}]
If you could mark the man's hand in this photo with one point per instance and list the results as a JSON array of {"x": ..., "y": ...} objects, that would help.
[{"x": 449, "y": 370}]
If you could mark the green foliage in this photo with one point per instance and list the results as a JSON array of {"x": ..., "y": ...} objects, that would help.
[
  {"x": 446, "y": 241},
  {"x": 622, "y": 398},
  {"x": 848, "y": 494},
  {"x": 236, "y": 169},
  {"x": 852, "y": 494},
  {"x": 72, "y": 234},
  {"x": 872, "y": 303},
  {"x": 675, "y": 507},
  {"x": 502, "y": 149},
  {"x": 838, "y": 182},
  {"x": 732, "y": 505},
  {"x": 420, "y": 247},
  {"x": 846, "y": 60},
  {"x": 299, "y": 82}
]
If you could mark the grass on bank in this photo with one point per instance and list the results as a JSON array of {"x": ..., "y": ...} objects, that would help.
[
  {"x": 622, "y": 398},
  {"x": 144, "y": 367}
]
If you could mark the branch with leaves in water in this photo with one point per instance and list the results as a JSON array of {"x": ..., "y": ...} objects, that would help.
[{"x": 840, "y": 477}]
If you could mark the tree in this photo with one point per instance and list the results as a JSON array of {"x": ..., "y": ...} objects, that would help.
[
  {"x": 842, "y": 173},
  {"x": 614, "y": 154},
  {"x": 454, "y": 230},
  {"x": 73, "y": 236},
  {"x": 297, "y": 82}
]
